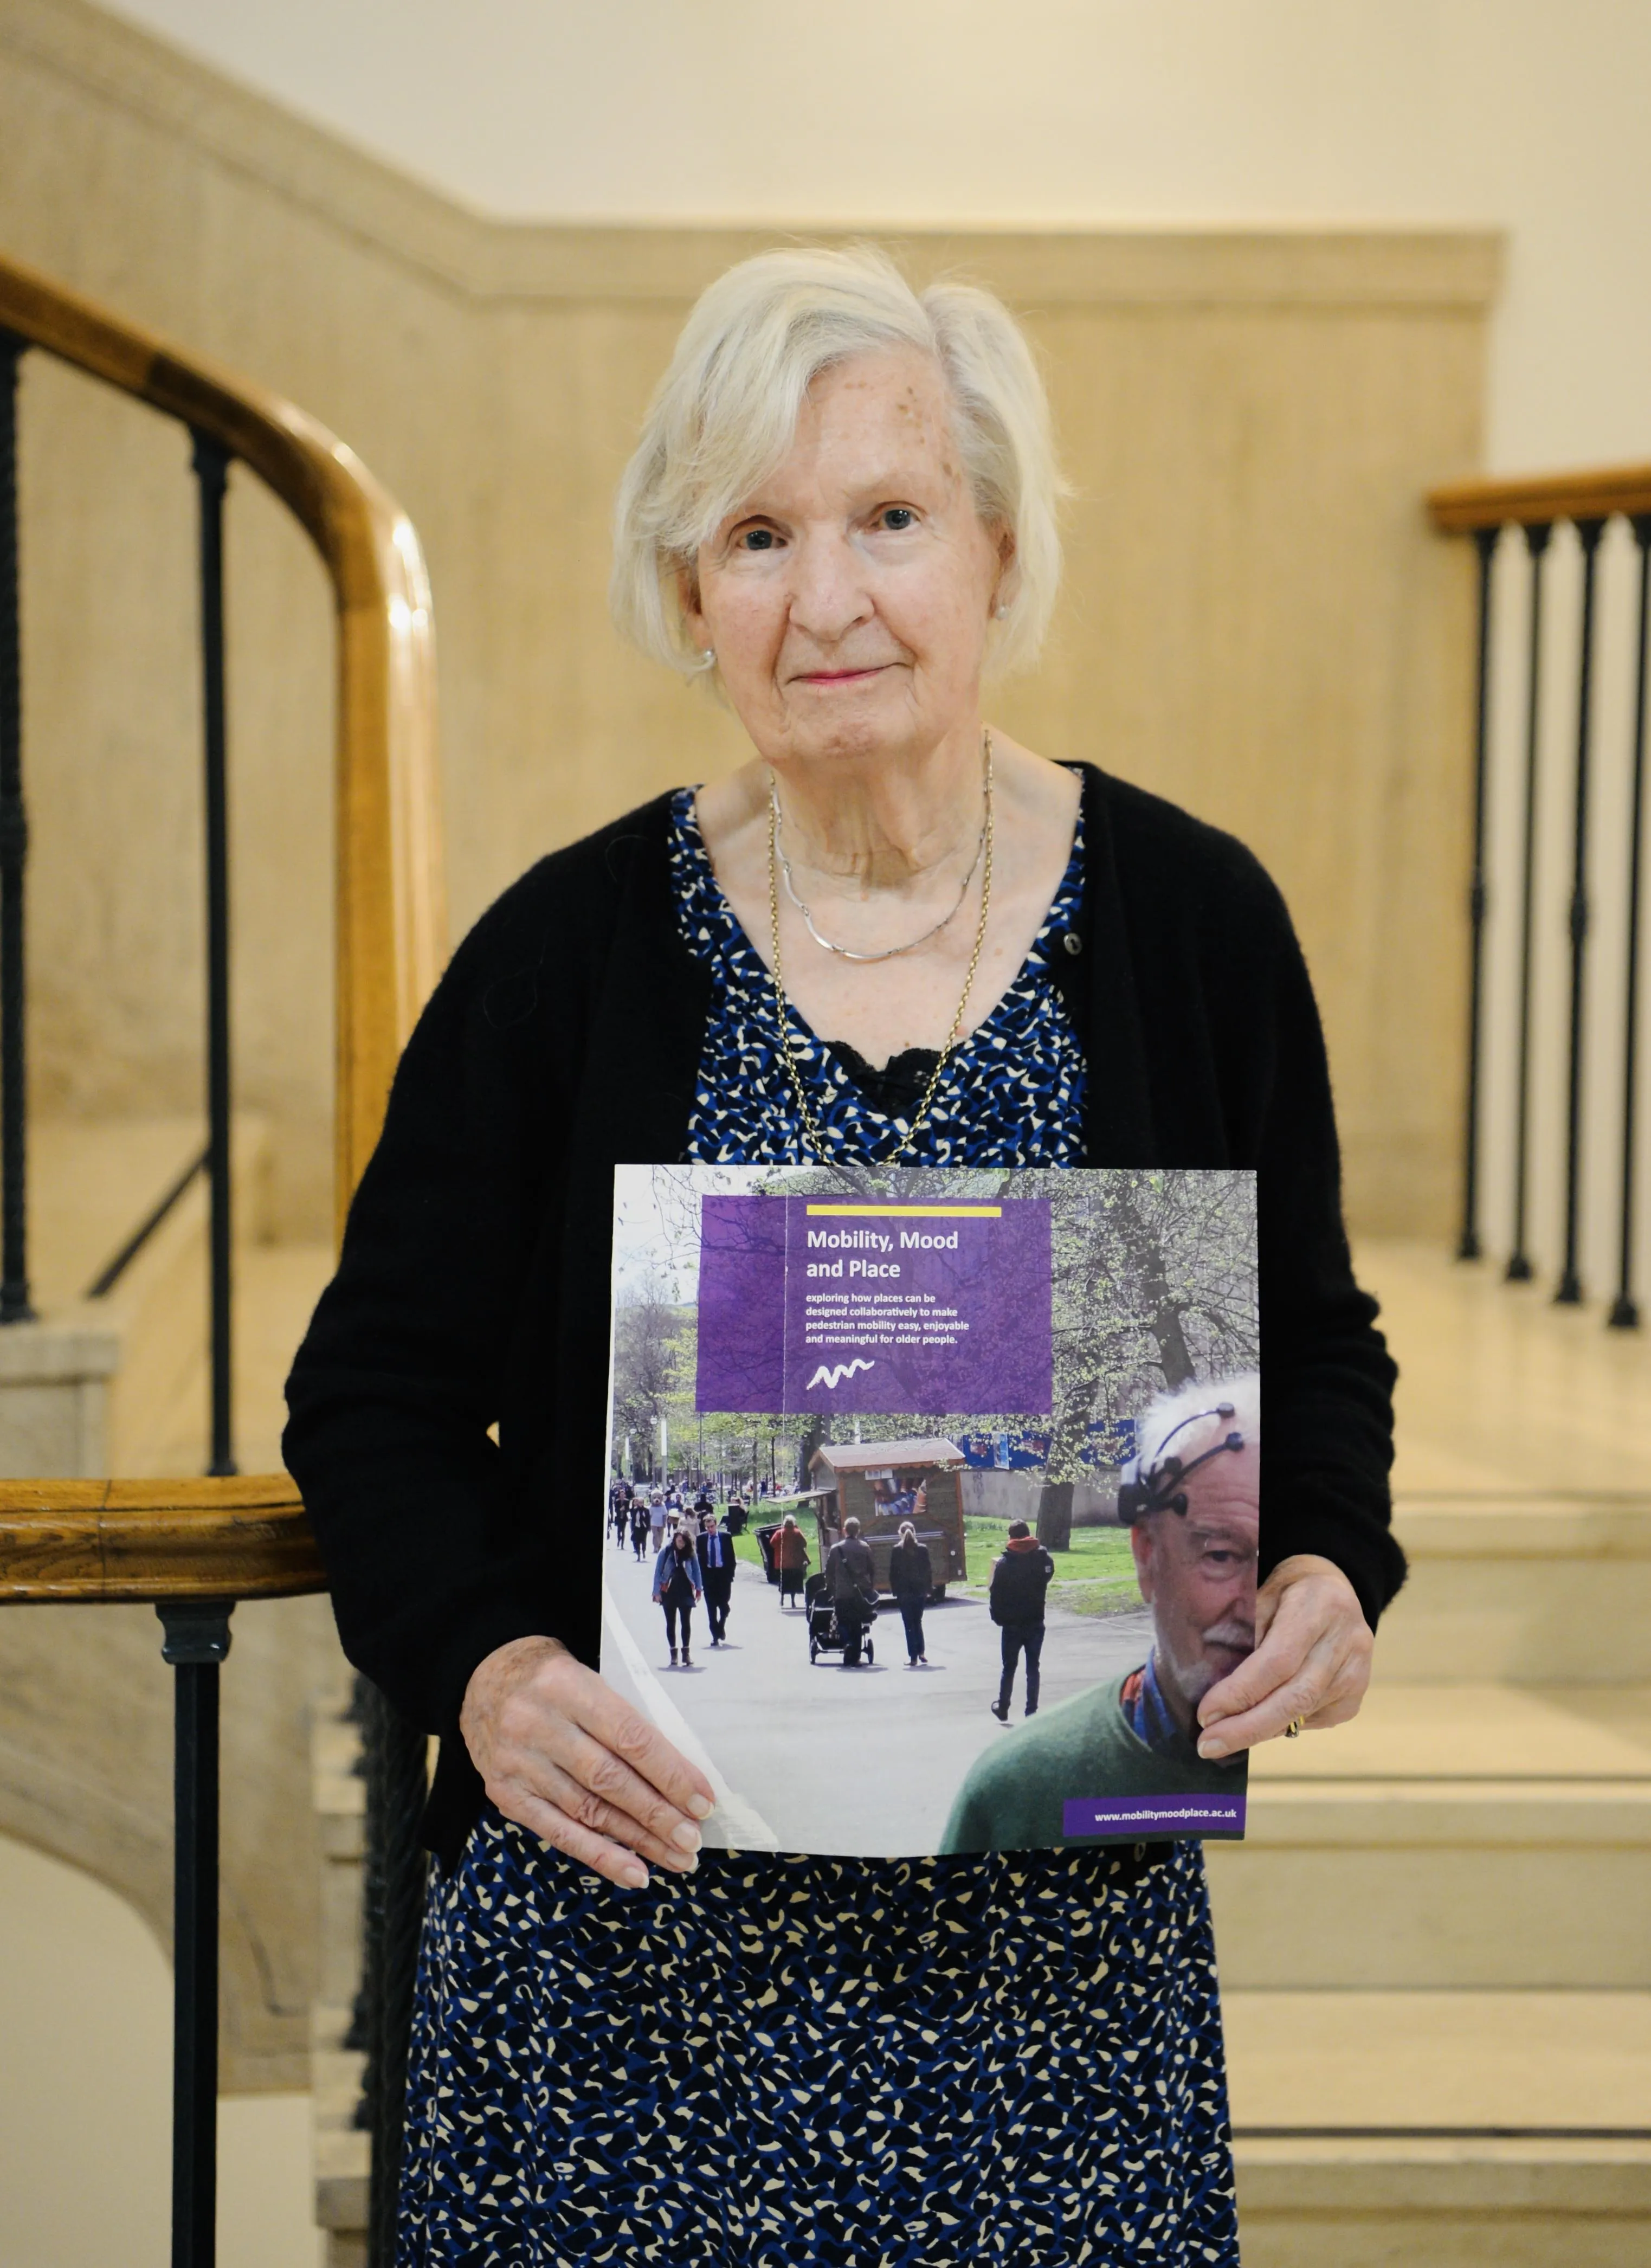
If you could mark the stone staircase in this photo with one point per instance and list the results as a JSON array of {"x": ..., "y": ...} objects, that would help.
[
  {"x": 1435, "y": 1943},
  {"x": 119, "y": 1385}
]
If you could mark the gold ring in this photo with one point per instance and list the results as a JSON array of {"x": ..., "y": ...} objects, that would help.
[{"x": 1293, "y": 1730}]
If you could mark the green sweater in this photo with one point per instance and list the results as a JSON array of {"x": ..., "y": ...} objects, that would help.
[{"x": 1012, "y": 1797}]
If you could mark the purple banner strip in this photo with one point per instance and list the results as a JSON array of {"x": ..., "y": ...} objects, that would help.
[{"x": 1153, "y": 1814}]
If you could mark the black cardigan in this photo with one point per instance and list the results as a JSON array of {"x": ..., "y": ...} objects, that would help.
[{"x": 472, "y": 1291}]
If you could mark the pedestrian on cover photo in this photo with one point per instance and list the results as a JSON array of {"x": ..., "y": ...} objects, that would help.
[
  {"x": 851, "y": 1587},
  {"x": 639, "y": 1531},
  {"x": 789, "y": 1549},
  {"x": 1021, "y": 1578},
  {"x": 677, "y": 1586},
  {"x": 911, "y": 1579},
  {"x": 656, "y": 1520},
  {"x": 716, "y": 1570},
  {"x": 895, "y": 935}
]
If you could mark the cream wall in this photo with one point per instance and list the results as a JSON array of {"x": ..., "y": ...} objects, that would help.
[
  {"x": 1255, "y": 621},
  {"x": 86, "y": 2094},
  {"x": 1521, "y": 114}
]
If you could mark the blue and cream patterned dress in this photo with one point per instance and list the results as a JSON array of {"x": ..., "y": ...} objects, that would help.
[{"x": 790, "y": 2062}]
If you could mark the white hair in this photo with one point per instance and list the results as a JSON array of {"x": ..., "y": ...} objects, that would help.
[
  {"x": 1198, "y": 1402},
  {"x": 725, "y": 413}
]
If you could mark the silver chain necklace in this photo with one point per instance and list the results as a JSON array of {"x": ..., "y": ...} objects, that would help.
[
  {"x": 813, "y": 1133},
  {"x": 893, "y": 952}
]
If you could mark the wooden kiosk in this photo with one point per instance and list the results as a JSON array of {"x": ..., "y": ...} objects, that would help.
[{"x": 882, "y": 1483}]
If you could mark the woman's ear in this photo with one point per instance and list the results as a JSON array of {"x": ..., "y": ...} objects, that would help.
[
  {"x": 687, "y": 599},
  {"x": 1008, "y": 583}
]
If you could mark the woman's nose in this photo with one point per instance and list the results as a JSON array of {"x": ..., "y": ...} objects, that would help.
[{"x": 829, "y": 594}]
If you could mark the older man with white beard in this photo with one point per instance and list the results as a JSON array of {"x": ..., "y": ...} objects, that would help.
[{"x": 1194, "y": 1516}]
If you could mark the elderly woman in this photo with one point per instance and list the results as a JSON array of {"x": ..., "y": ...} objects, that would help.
[{"x": 897, "y": 935}]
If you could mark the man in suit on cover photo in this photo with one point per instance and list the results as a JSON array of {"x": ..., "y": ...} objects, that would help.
[
  {"x": 1192, "y": 1504},
  {"x": 716, "y": 1568}
]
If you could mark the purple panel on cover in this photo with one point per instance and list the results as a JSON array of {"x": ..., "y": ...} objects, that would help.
[
  {"x": 865, "y": 1307},
  {"x": 742, "y": 1363},
  {"x": 1128, "y": 1815},
  {"x": 920, "y": 1309}
]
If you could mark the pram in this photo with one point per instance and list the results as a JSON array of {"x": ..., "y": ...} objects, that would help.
[{"x": 825, "y": 1634}]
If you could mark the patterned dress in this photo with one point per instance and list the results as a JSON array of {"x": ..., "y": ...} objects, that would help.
[{"x": 794, "y": 2062}]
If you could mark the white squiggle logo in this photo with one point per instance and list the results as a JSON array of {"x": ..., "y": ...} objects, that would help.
[{"x": 835, "y": 1373}]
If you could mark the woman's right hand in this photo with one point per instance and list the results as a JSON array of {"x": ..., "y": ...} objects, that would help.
[{"x": 562, "y": 1756}]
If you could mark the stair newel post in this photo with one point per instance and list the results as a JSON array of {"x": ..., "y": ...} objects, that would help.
[
  {"x": 1569, "y": 1292},
  {"x": 1468, "y": 1245},
  {"x": 196, "y": 1640},
  {"x": 1537, "y": 539},
  {"x": 15, "y": 1304},
  {"x": 1624, "y": 1314}
]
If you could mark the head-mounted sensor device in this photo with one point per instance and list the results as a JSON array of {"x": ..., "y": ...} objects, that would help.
[{"x": 1157, "y": 1484}]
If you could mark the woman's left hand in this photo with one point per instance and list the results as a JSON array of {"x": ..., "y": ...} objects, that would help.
[{"x": 1311, "y": 1662}]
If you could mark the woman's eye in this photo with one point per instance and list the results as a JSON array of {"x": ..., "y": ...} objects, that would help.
[
  {"x": 897, "y": 517},
  {"x": 757, "y": 539}
]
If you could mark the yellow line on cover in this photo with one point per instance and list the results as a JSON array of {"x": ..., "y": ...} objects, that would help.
[{"x": 917, "y": 1212}]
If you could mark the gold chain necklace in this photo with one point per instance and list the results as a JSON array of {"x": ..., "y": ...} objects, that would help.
[{"x": 810, "y": 1122}]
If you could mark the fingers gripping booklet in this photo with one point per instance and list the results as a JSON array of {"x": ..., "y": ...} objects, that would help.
[{"x": 933, "y": 1497}]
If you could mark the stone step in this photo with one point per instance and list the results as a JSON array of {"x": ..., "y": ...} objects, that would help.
[
  {"x": 1490, "y": 1836},
  {"x": 1451, "y": 2129},
  {"x": 1521, "y": 1480},
  {"x": 1539, "y": 1589},
  {"x": 1503, "y": 1395}
]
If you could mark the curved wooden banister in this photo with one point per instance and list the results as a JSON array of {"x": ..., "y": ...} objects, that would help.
[
  {"x": 104, "y": 1541},
  {"x": 248, "y": 1538},
  {"x": 1465, "y": 505},
  {"x": 391, "y": 909}
]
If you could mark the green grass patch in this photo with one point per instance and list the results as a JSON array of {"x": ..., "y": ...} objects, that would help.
[{"x": 1095, "y": 1577}]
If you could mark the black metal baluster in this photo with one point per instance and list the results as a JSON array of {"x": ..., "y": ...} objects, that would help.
[
  {"x": 15, "y": 1305},
  {"x": 211, "y": 469},
  {"x": 1536, "y": 538},
  {"x": 1624, "y": 1314},
  {"x": 1468, "y": 1246},
  {"x": 1569, "y": 1294},
  {"x": 197, "y": 1641},
  {"x": 393, "y": 1913}
]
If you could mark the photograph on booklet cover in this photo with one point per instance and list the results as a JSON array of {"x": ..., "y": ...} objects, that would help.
[{"x": 933, "y": 1497}]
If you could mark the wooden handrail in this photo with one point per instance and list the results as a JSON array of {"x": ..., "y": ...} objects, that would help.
[
  {"x": 1465, "y": 505},
  {"x": 249, "y": 1538},
  {"x": 246, "y": 1538},
  {"x": 392, "y": 914}
]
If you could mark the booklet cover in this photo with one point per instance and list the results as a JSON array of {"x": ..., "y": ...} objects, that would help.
[{"x": 931, "y": 1501}]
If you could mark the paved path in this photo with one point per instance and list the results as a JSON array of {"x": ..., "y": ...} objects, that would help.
[{"x": 827, "y": 1758}]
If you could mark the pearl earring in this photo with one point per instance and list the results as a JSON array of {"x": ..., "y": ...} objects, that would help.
[
  {"x": 1002, "y": 610},
  {"x": 708, "y": 656}
]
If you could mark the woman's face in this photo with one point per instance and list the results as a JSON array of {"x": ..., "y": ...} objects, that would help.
[{"x": 849, "y": 598}]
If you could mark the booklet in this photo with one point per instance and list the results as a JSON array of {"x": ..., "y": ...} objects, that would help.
[{"x": 933, "y": 1497}]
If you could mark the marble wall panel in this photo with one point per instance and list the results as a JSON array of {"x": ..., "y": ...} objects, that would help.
[{"x": 1256, "y": 621}]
